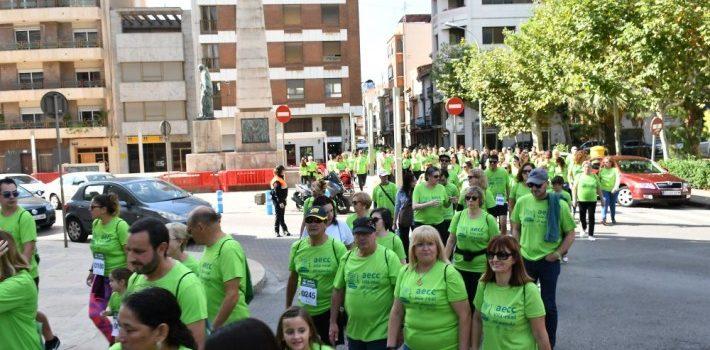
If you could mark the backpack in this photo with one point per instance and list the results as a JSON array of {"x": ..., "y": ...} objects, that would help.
[
  {"x": 248, "y": 288},
  {"x": 405, "y": 216}
]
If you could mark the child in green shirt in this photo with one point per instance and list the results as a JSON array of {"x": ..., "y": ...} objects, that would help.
[{"x": 118, "y": 281}]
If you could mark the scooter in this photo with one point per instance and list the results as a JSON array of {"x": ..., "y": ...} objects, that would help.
[
  {"x": 336, "y": 191},
  {"x": 300, "y": 195}
]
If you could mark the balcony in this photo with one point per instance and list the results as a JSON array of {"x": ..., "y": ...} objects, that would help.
[
  {"x": 44, "y": 129},
  {"x": 33, "y": 91},
  {"x": 208, "y": 26},
  {"x": 51, "y": 51},
  {"x": 48, "y": 123},
  {"x": 32, "y": 4},
  {"x": 33, "y": 11}
]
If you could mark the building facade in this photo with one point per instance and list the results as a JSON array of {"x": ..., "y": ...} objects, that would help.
[{"x": 314, "y": 68}]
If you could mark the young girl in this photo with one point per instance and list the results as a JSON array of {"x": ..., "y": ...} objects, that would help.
[
  {"x": 296, "y": 331},
  {"x": 118, "y": 279}
]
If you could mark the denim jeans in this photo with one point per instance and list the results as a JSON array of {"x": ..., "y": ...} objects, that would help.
[
  {"x": 610, "y": 202},
  {"x": 547, "y": 273}
]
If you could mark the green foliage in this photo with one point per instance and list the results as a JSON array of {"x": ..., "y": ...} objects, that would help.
[
  {"x": 562, "y": 147},
  {"x": 695, "y": 171}
]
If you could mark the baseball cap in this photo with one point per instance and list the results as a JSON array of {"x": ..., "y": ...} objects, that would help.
[
  {"x": 538, "y": 176},
  {"x": 317, "y": 212},
  {"x": 363, "y": 225},
  {"x": 382, "y": 173}
]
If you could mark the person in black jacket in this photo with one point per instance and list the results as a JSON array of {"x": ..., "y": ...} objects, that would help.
[{"x": 279, "y": 195}]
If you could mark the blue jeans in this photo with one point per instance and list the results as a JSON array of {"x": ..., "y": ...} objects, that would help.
[
  {"x": 609, "y": 201},
  {"x": 547, "y": 273}
]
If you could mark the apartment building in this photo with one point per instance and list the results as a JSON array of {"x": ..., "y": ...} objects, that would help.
[
  {"x": 154, "y": 72},
  {"x": 314, "y": 68}
]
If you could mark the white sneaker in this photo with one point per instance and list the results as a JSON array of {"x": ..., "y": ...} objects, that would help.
[
  {"x": 591, "y": 238},
  {"x": 565, "y": 259}
]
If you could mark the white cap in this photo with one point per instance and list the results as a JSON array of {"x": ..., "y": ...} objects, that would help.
[{"x": 382, "y": 172}]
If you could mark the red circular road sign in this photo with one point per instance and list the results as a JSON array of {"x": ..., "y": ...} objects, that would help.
[
  {"x": 454, "y": 106},
  {"x": 656, "y": 125},
  {"x": 283, "y": 114}
]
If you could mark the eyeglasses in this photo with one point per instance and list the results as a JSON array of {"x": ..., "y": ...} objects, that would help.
[
  {"x": 492, "y": 161},
  {"x": 435, "y": 176},
  {"x": 500, "y": 255},
  {"x": 8, "y": 194},
  {"x": 471, "y": 198},
  {"x": 314, "y": 220},
  {"x": 532, "y": 185},
  {"x": 96, "y": 206},
  {"x": 374, "y": 220},
  {"x": 527, "y": 171}
]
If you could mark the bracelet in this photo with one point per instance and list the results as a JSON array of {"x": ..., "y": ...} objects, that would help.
[{"x": 558, "y": 255}]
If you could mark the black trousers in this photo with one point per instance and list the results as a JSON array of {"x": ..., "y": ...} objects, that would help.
[
  {"x": 586, "y": 210},
  {"x": 442, "y": 228},
  {"x": 361, "y": 180},
  {"x": 470, "y": 280},
  {"x": 404, "y": 236},
  {"x": 280, "y": 218},
  {"x": 322, "y": 323}
]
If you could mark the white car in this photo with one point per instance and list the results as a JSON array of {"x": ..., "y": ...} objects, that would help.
[
  {"x": 28, "y": 182},
  {"x": 72, "y": 182}
]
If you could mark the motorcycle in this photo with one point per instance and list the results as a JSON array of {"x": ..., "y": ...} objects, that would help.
[
  {"x": 336, "y": 191},
  {"x": 300, "y": 195}
]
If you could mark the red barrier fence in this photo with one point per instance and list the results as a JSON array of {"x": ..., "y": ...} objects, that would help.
[
  {"x": 226, "y": 180},
  {"x": 46, "y": 177}
]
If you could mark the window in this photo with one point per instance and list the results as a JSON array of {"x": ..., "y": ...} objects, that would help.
[
  {"x": 32, "y": 117},
  {"x": 399, "y": 46},
  {"x": 292, "y": 15},
  {"x": 133, "y": 111},
  {"x": 210, "y": 54},
  {"x": 295, "y": 89},
  {"x": 400, "y": 69},
  {"x": 330, "y": 15},
  {"x": 208, "y": 19},
  {"x": 456, "y": 35},
  {"x": 331, "y": 51},
  {"x": 154, "y": 110},
  {"x": 332, "y": 126},
  {"x": 499, "y": 2},
  {"x": 333, "y": 88},
  {"x": 494, "y": 35},
  {"x": 390, "y": 72},
  {"x": 27, "y": 38},
  {"x": 92, "y": 191},
  {"x": 88, "y": 79},
  {"x": 293, "y": 53},
  {"x": 299, "y": 125},
  {"x": 172, "y": 71},
  {"x": 31, "y": 80},
  {"x": 89, "y": 116},
  {"x": 456, "y": 4},
  {"x": 151, "y": 71},
  {"x": 86, "y": 38}
]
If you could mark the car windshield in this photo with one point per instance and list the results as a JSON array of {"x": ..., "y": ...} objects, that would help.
[
  {"x": 99, "y": 177},
  {"x": 23, "y": 192},
  {"x": 23, "y": 180},
  {"x": 638, "y": 166},
  {"x": 152, "y": 191}
]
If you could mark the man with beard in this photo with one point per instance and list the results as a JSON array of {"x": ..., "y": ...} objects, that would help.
[{"x": 147, "y": 255}]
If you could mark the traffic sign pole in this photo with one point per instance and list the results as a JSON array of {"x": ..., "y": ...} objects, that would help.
[
  {"x": 283, "y": 115},
  {"x": 55, "y": 99},
  {"x": 454, "y": 106}
]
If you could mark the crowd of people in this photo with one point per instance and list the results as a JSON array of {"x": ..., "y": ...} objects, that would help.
[{"x": 465, "y": 254}]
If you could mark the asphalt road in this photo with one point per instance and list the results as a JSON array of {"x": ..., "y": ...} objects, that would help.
[{"x": 644, "y": 284}]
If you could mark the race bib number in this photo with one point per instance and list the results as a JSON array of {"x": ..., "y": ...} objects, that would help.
[
  {"x": 308, "y": 294},
  {"x": 500, "y": 200},
  {"x": 114, "y": 326},
  {"x": 99, "y": 265}
]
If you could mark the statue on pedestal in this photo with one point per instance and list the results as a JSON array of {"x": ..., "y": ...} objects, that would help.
[{"x": 206, "y": 94}]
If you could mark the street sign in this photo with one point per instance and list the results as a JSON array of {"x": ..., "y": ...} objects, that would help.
[
  {"x": 283, "y": 114},
  {"x": 47, "y": 104},
  {"x": 656, "y": 125},
  {"x": 454, "y": 106},
  {"x": 165, "y": 128}
]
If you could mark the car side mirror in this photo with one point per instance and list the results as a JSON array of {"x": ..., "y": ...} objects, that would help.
[
  {"x": 78, "y": 182},
  {"x": 123, "y": 204}
]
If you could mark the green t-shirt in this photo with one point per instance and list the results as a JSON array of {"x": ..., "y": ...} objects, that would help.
[
  {"x": 369, "y": 291},
  {"x": 114, "y": 303},
  {"x": 519, "y": 189},
  {"x": 312, "y": 167},
  {"x": 361, "y": 163},
  {"x": 454, "y": 172},
  {"x": 497, "y": 182},
  {"x": 392, "y": 242},
  {"x": 575, "y": 169},
  {"x": 472, "y": 235},
  {"x": 18, "y": 308},
  {"x": 330, "y": 165},
  {"x": 221, "y": 262},
  {"x": 303, "y": 170},
  {"x": 381, "y": 200},
  {"x": 416, "y": 163},
  {"x": 192, "y": 264},
  {"x": 316, "y": 268},
  {"x": 23, "y": 229},
  {"x": 387, "y": 164},
  {"x": 451, "y": 191},
  {"x": 559, "y": 171},
  {"x": 587, "y": 186},
  {"x": 564, "y": 195},
  {"x": 109, "y": 241},
  {"x": 531, "y": 214},
  {"x": 117, "y": 346},
  {"x": 430, "y": 215},
  {"x": 607, "y": 177},
  {"x": 506, "y": 313},
  {"x": 341, "y": 166},
  {"x": 406, "y": 163},
  {"x": 489, "y": 200},
  {"x": 429, "y": 320},
  {"x": 183, "y": 284}
]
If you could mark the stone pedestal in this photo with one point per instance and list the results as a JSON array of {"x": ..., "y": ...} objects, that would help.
[
  {"x": 204, "y": 162},
  {"x": 207, "y": 136},
  {"x": 253, "y": 160}
]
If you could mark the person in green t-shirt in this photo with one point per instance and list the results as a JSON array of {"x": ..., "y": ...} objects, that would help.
[
  {"x": 361, "y": 204},
  {"x": 18, "y": 299},
  {"x": 365, "y": 280},
  {"x": 119, "y": 282},
  {"x": 313, "y": 264},
  {"x": 382, "y": 220},
  {"x": 303, "y": 171},
  {"x": 223, "y": 268},
  {"x": 406, "y": 159},
  {"x": 430, "y": 200},
  {"x": 509, "y": 311},
  {"x": 146, "y": 250},
  {"x": 585, "y": 190},
  {"x": 430, "y": 297},
  {"x": 610, "y": 179},
  {"x": 453, "y": 193},
  {"x": 143, "y": 312},
  {"x": 297, "y": 331},
  {"x": 340, "y": 164},
  {"x": 178, "y": 243},
  {"x": 312, "y": 168},
  {"x": 520, "y": 187},
  {"x": 542, "y": 248},
  {"x": 387, "y": 163},
  {"x": 476, "y": 177},
  {"x": 469, "y": 233},
  {"x": 362, "y": 163},
  {"x": 499, "y": 184},
  {"x": 21, "y": 225},
  {"x": 384, "y": 194}
]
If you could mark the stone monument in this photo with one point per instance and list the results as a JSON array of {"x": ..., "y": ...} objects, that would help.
[
  {"x": 255, "y": 122},
  {"x": 206, "y": 131}
]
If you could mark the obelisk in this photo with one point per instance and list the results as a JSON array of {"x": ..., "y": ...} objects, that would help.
[{"x": 255, "y": 122}]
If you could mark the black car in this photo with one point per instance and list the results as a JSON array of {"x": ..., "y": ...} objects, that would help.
[
  {"x": 636, "y": 148},
  {"x": 138, "y": 197},
  {"x": 41, "y": 210}
]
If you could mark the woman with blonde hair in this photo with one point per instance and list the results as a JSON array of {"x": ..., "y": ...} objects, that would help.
[
  {"x": 433, "y": 295},
  {"x": 18, "y": 298},
  {"x": 177, "y": 244}
]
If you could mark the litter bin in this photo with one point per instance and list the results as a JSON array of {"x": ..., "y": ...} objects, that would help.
[{"x": 260, "y": 198}]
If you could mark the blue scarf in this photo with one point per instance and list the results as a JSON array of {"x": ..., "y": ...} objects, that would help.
[{"x": 553, "y": 217}]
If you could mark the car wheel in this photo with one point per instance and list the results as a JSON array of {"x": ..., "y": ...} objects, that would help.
[
  {"x": 75, "y": 232},
  {"x": 624, "y": 197},
  {"x": 54, "y": 200}
]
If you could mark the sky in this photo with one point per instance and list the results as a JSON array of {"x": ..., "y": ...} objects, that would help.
[{"x": 378, "y": 19}]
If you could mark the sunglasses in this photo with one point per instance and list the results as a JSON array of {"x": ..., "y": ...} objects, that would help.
[
  {"x": 435, "y": 176},
  {"x": 471, "y": 198},
  {"x": 8, "y": 194},
  {"x": 532, "y": 185},
  {"x": 374, "y": 220},
  {"x": 314, "y": 220},
  {"x": 527, "y": 171},
  {"x": 500, "y": 255},
  {"x": 492, "y": 161}
]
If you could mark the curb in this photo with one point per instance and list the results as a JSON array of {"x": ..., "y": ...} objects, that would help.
[
  {"x": 701, "y": 200},
  {"x": 258, "y": 275}
]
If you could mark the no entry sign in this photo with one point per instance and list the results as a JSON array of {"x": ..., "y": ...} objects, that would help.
[
  {"x": 656, "y": 125},
  {"x": 454, "y": 106},
  {"x": 283, "y": 114}
]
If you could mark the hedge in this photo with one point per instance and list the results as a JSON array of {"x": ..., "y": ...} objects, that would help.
[{"x": 695, "y": 171}]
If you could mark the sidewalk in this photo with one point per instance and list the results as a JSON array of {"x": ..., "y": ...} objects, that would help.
[{"x": 701, "y": 197}]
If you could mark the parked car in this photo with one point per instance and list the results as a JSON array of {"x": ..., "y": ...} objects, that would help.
[
  {"x": 138, "y": 198},
  {"x": 705, "y": 149},
  {"x": 589, "y": 144},
  {"x": 28, "y": 182},
  {"x": 41, "y": 210},
  {"x": 636, "y": 148},
  {"x": 72, "y": 181},
  {"x": 644, "y": 181}
]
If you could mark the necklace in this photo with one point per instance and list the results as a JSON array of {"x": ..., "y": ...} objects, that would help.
[{"x": 421, "y": 276}]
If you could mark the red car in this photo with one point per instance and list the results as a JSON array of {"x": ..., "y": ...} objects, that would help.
[{"x": 644, "y": 181}]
